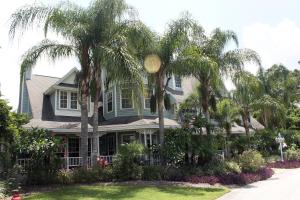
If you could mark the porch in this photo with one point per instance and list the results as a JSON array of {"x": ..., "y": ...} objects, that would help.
[{"x": 108, "y": 146}]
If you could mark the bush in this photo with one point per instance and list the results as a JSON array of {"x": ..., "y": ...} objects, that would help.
[
  {"x": 251, "y": 161},
  {"x": 232, "y": 167},
  {"x": 82, "y": 175},
  {"x": 65, "y": 177},
  {"x": 293, "y": 153},
  {"x": 103, "y": 173},
  {"x": 126, "y": 165},
  {"x": 152, "y": 173},
  {"x": 171, "y": 173}
]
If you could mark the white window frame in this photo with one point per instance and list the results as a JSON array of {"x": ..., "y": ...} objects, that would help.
[
  {"x": 121, "y": 106},
  {"x": 175, "y": 76},
  {"x": 59, "y": 100},
  {"x": 149, "y": 90},
  {"x": 112, "y": 105},
  {"x": 127, "y": 134},
  {"x": 76, "y": 101}
]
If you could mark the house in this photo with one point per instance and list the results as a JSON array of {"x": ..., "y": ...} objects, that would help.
[{"x": 52, "y": 103}]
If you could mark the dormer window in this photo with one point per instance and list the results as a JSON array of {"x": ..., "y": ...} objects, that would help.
[
  {"x": 63, "y": 99},
  {"x": 177, "y": 81},
  {"x": 74, "y": 102},
  {"x": 68, "y": 100},
  {"x": 126, "y": 98}
]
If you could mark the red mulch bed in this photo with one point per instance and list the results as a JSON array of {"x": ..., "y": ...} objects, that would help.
[
  {"x": 234, "y": 179},
  {"x": 285, "y": 164}
]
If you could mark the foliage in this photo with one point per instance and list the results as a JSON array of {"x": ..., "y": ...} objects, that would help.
[
  {"x": 237, "y": 179},
  {"x": 40, "y": 147},
  {"x": 293, "y": 153},
  {"x": 251, "y": 161},
  {"x": 219, "y": 167},
  {"x": 152, "y": 173},
  {"x": 126, "y": 164},
  {"x": 65, "y": 177},
  {"x": 285, "y": 164}
]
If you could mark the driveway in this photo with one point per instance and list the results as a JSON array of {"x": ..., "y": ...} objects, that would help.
[{"x": 283, "y": 185}]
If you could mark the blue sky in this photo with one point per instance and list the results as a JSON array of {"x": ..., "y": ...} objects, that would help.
[{"x": 270, "y": 27}]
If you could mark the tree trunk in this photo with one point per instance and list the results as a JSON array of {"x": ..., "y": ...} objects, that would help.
[
  {"x": 160, "y": 104},
  {"x": 84, "y": 124},
  {"x": 205, "y": 104},
  {"x": 246, "y": 121},
  {"x": 95, "y": 138}
]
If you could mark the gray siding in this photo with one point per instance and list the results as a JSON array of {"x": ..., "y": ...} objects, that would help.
[
  {"x": 52, "y": 100},
  {"x": 26, "y": 103},
  {"x": 127, "y": 111}
]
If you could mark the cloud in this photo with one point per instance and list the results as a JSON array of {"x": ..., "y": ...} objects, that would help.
[{"x": 278, "y": 43}]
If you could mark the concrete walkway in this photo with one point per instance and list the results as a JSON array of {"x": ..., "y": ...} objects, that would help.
[{"x": 283, "y": 185}]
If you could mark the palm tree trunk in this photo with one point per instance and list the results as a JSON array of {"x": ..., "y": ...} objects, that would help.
[
  {"x": 160, "y": 104},
  {"x": 205, "y": 104},
  {"x": 84, "y": 124},
  {"x": 95, "y": 142},
  {"x": 246, "y": 121}
]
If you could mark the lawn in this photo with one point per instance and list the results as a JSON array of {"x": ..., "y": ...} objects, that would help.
[{"x": 101, "y": 192}]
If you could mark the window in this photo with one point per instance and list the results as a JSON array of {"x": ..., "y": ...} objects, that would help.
[
  {"x": 128, "y": 138},
  {"x": 73, "y": 147},
  {"x": 126, "y": 98},
  {"x": 63, "y": 102},
  {"x": 109, "y": 102},
  {"x": 177, "y": 81},
  {"x": 74, "y": 103},
  {"x": 147, "y": 98}
]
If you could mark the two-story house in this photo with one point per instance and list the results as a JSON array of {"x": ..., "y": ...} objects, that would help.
[{"x": 52, "y": 103}]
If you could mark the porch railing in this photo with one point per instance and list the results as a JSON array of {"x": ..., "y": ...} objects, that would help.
[
  {"x": 71, "y": 162},
  {"x": 108, "y": 158}
]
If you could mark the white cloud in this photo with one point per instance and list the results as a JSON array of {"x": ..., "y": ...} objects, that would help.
[{"x": 278, "y": 43}]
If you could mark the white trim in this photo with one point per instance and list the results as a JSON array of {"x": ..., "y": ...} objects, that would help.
[
  {"x": 59, "y": 100},
  {"x": 149, "y": 100},
  {"x": 121, "y": 107},
  {"x": 70, "y": 93},
  {"x": 112, "y": 108},
  {"x": 68, "y": 100}
]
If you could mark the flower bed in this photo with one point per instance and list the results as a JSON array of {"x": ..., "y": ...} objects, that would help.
[
  {"x": 231, "y": 179},
  {"x": 285, "y": 164}
]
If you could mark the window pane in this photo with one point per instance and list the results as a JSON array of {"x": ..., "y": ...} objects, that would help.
[
  {"x": 74, "y": 104},
  {"x": 177, "y": 82},
  {"x": 109, "y": 101},
  {"x": 147, "y": 97},
  {"x": 63, "y": 99},
  {"x": 126, "y": 98}
]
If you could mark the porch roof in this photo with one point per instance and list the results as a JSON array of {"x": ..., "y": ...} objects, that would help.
[{"x": 75, "y": 127}]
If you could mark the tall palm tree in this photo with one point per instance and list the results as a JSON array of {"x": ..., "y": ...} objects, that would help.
[
  {"x": 69, "y": 21},
  {"x": 113, "y": 50},
  {"x": 167, "y": 47},
  {"x": 207, "y": 60},
  {"x": 248, "y": 89},
  {"x": 99, "y": 36}
]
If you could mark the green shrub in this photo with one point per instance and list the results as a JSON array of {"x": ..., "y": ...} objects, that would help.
[
  {"x": 152, "y": 173},
  {"x": 126, "y": 165},
  {"x": 65, "y": 177},
  {"x": 82, "y": 175},
  {"x": 293, "y": 153},
  {"x": 103, "y": 174},
  {"x": 251, "y": 161},
  {"x": 232, "y": 167},
  {"x": 215, "y": 167}
]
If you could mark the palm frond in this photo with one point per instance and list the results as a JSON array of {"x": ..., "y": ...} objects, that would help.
[{"x": 52, "y": 49}]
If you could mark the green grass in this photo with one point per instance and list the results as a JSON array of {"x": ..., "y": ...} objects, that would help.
[{"x": 101, "y": 192}]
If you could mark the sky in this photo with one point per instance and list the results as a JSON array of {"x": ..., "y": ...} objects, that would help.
[{"x": 270, "y": 27}]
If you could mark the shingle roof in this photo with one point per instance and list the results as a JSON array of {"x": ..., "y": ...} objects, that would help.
[{"x": 36, "y": 86}]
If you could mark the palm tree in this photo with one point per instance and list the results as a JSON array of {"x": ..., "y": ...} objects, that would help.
[
  {"x": 207, "y": 60},
  {"x": 248, "y": 89},
  {"x": 113, "y": 50},
  {"x": 98, "y": 36},
  {"x": 167, "y": 47}
]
